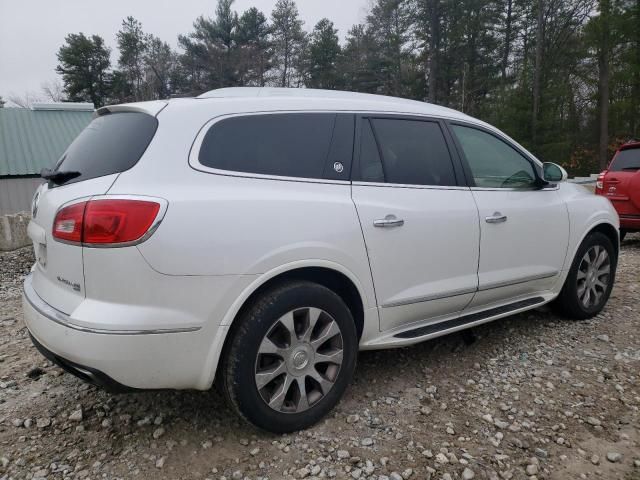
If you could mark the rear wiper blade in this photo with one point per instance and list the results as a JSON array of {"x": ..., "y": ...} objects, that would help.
[{"x": 58, "y": 177}]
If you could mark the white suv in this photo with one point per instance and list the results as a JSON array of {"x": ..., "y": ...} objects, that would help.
[{"x": 260, "y": 237}]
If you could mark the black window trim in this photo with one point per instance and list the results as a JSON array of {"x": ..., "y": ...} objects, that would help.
[
  {"x": 194, "y": 152},
  {"x": 536, "y": 165},
  {"x": 458, "y": 171}
]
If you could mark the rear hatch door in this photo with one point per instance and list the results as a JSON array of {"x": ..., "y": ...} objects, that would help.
[
  {"x": 622, "y": 182},
  {"x": 111, "y": 144}
]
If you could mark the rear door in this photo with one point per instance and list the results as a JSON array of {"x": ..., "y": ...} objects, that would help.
[
  {"x": 621, "y": 184},
  {"x": 419, "y": 221},
  {"x": 111, "y": 143}
]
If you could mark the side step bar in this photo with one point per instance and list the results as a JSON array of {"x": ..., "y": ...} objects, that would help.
[{"x": 468, "y": 319}]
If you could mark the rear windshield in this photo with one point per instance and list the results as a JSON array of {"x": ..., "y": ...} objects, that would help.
[
  {"x": 627, "y": 160},
  {"x": 111, "y": 143}
]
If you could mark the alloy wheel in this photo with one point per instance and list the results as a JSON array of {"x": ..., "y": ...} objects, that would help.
[
  {"x": 593, "y": 276},
  {"x": 299, "y": 360}
]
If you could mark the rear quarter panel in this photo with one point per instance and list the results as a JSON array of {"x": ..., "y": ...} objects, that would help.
[{"x": 230, "y": 225}]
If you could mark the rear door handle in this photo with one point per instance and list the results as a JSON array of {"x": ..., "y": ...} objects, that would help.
[
  {"x": 497, "y": 217},
  {"x": 388, "y": 222}
]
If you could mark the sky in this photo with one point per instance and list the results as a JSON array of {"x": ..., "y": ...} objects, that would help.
[{"x": 31, "y": 31}]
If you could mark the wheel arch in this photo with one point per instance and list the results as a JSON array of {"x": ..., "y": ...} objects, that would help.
[
  {"x": 333, "y": 276},
  {"x": 330, "y": 278},
  {"x": 610, "y": 231}
]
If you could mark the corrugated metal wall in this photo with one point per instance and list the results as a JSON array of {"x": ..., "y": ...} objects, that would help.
[{"x": 16, "y": 194}]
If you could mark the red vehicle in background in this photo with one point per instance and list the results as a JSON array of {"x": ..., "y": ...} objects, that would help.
[{"x": 620, "y": 183}]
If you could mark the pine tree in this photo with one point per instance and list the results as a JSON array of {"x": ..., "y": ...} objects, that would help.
[
  {"x": 254, "y": 44},
  {"x": 323, "y": 52},
  {"x": 288, "y": 40},
  {"x": 132, "y": 44},
  {"x": 84, "y": 65}
]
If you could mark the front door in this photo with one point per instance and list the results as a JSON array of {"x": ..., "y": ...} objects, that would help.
[
  {"x": 524, "y": 229},
  {"x": 419, "y": 223}
]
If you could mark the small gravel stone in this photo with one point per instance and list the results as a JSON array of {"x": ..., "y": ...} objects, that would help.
[
  {"x": 342, "y": 454},
  {"x": 76, "y": 415},
  {"x": 468, "y": 474},
  {"x": 614, "y": 457}
]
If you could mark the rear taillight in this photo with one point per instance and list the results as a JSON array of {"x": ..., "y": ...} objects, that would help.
[
  {"x": 68, "y": 223},
  {"x": 600, "y": 182},
  {"x": 105, "y": 222}
]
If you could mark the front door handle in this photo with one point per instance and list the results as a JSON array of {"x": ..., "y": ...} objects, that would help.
[
  {"x": 497, "y": 217},
  {"x": 388, "y": 222}
]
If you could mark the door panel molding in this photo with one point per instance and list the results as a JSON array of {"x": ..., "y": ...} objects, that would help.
[{"x": 428, "y": 298}]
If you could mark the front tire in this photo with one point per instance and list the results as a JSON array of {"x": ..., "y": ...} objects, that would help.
[
  {"x": 291, "y": 356},
  {"x": 590, "y": 279}
]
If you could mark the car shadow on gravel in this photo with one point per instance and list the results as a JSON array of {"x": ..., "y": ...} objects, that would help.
[{"x": 380, "y": 374}]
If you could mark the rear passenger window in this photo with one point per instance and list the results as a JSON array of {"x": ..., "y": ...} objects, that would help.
[
  {"x": 370, "y": 163},
  {"x": 291, "y": 145},
  {"x": 413, "y": 152}
]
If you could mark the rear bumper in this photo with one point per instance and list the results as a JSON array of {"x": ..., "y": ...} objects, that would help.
[
  {"x": 116, "y": 360},
  {"x": 88, "y": 374}
]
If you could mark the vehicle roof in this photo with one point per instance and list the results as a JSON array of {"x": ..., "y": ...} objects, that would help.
[
  {"x": 629, "y": 145},
  {"x": 241, "y": 100},
  {"x": 334, "y": 99}
]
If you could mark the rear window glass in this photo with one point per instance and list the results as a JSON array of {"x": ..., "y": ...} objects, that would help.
[
  {"x": 111, "y": 143},
  {"x": 291, "y": 145},
  {"x": 626, "y": 160},
  {"x": 413, "y": 152}
]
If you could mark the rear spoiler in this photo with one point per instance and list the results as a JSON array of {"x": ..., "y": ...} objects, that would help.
[{"x": 152, "y": 108}]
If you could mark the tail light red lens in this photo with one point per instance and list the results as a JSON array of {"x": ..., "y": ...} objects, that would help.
[
  {"x": 68, "y": 223},
  {"x": 106, "y": 221},
  {"x": 118, "y": 221}
]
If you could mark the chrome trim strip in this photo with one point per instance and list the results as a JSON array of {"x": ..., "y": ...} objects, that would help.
[
  {"x": 465, "y": 291},
  {"x": 43, "y": 308},
  {"x": 428, "y": 298},
  {"x": 360, "y": 183},
  {"x": 510, "y": 189},
  {"x": 508, "y": 283}
]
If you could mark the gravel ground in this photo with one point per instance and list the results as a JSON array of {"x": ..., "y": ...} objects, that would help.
[{"x": 535, "y": 396}]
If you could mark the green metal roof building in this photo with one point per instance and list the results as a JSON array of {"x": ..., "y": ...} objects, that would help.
[{"x": 33, "y": 139}]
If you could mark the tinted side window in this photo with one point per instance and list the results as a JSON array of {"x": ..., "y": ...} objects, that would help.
[
  {"x": 628, "y": 160},
  {"x": 493, "y": 163},
  {"x": 292, "y": 144},
  {"x": 370, "y": 163},
  {"x": 111, "y": 143},
  {"x": 414, "y": 152}
]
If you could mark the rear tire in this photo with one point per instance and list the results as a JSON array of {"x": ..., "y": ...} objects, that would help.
[
  {"x": 590, "y": 279},
  {"x": 623, "y": 233},
  {"x": 290, "y": 358}
]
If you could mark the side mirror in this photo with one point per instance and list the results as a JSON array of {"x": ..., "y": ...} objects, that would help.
[{"x": 554, "y": 173}]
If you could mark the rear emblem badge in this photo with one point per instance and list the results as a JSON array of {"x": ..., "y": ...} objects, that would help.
[
  {"x": 338, "y": 167},
  {"x": 75, "y": 286}
]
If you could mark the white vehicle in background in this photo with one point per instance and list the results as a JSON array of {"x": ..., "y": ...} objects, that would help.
[{"x": 261, "y": 237}]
